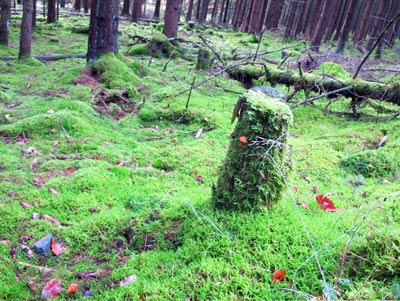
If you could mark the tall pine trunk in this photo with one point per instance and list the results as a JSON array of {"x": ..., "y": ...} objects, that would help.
[
  {"x": 77, "y": 5},
  {"x": 171, "y": 18},
  {"x": 346, "y": 27},
  {"x": 321, "y": 25},
  {"x": 103, "y": 29},
  {"x": 51, "y": 11},
  {"x": 136, "y": 10},
  {"x": 189, "y": 11},
  {"x": 5, "y": 6},
  {"x": 85, "y": 6},
  {"x": 157, "y": 10},
  {"x": 125, "y": 8},
  {"x": 26, "y": 30}
]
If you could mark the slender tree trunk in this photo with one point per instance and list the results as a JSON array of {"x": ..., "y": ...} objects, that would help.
[
  {"x": 254, "y": 17},
  {"x": 136, "y": 10},
  {"x": 313, "y": 18},
  {"x": 189, "y": 11},
  {"x": 378, "y": 23},
  {"x": 85, "y": 6},
  {"x": 62, "y": 3},
  {"x": 345, "y": 30},
  {"x": 157, "y": 10},
  {"x": 290, "y": 20},
  {"x": 34, "y": 11},
  {"x": 221, "y": 12},
  {"x": 203, "y": 12},
  {"x": 331, "y": 24},
  {"x": 214, "y": 11},
  {"x": 246, "y": 18},
  {"x": 236, "y": 13},
  {"x": 77, "y": 5},
  {"x": 125, "y": 8},
  {"x": 51, "y": 11},
  {"x": 26, "y": 30},
  {"x": 226, "y": 11},
  {"x": 198, "y": 9},
  {"x": 362, "y": 29},
  {"x": 171, "y": 18},
  {"x": 273, "y": 14},
  {"x": 103, "y": 29},
  {"x": 321, "y": 26},
  {"x": 5, "y": 6}
]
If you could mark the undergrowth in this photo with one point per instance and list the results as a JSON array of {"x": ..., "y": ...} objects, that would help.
[{"x": 133, "y": 194}]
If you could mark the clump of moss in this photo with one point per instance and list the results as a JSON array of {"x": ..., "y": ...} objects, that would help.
[
  {"x": 184, "y": 116},
  {"x": 369, "y": 163},
  {"x": 378, "y": 254},
  {"x": 258, "y": 159},
  {"x": 332, "y": 69},
  {"x": 115, "y": 74},
  {"x": 140, "y": 49},
  {"x": 159, "y": 45},
  {"x": 80, "y": 92},
  {"x": 246, "y": 74}
]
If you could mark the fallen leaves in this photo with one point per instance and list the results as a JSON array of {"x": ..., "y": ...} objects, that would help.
[
  {"x": 25, "y": 205},
  {"x": 72, "y": 288},
  {"x": 53, "y": 191},
  {"x": 200, "y": 179},
  {"x": 52, "y": 289},
  {"x": 326, "y": 203},
  {"x": 51, "y": 219},
  {"x": 57, "y": 248},
  {"x": 278, "y": 275},
  {"x": 128, "y": 280}
]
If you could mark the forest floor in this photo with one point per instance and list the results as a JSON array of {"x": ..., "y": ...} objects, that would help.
[{"x": 119, "y": 174}]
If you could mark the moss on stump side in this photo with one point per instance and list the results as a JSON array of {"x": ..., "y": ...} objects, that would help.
[{"x": 252, "y": 175}]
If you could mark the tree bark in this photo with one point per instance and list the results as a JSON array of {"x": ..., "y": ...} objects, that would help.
[
  {"x": 331, "y": 24},
  {"x": 322, "y": 25},
  {"x": 77, "y": 5},
  {"x": 246, "y": 18},
  {"x": 157, "y": 10},
  {"x": 214, "y": 11},
  {"x": 203, "y": 12},
  {"x": 190, "y": 11},
  {"x": 51, "y": 11},
  {"x": 171, "y": 18},
  {"x": 236, "y": 13},
  {"x": 125, "y": 8},
  {"x": 103, "y": 28},
  {"x": 273, "y": 14},
  {"x": 254, "y": 27},
  {"x": 346, "y": 27},
  {"x": 290, "y": 19},
  {"x": 136, "y": 10},
  {"x": 5, "y": 6},
  {"x": 362, "y": 29},
  {"x": 26, "y": 30},
  {"x": 62, "y": 3},
  {"x": 85, "y": 6}
]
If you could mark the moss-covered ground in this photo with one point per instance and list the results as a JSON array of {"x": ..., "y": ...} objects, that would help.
[{"x": 132, "y": 190}]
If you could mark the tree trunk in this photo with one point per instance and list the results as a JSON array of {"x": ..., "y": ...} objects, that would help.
[
  {"x": 345, "y": 30},
  {"x": 51, "y": 11},
  {"x": 214, "y": 11},
  {"x": 77, "y": 5},
  {"x": 221, "y": 12},
  {"x": 362, "y": 29},
  {"x": 157, "y": 10},
  {"x": 331, "y": 24},
  {"x": 273, "y": 14},
  {"x": 378, "y": 24},
  {"x": 62, "y": 3},
  {"x": 198, "y": 9},
  {"x": 246, "y": 18},
  {"x": 226, "y": 11},
  {"x": 236, "y": 13},
  {"x": 321, "y": 25},
  {"x": 125, "y": 8},
  {"x": 103, "y": 28},
  {"x": 254, "y": 16},
  {"x": 290, "y": 19},
  {"x": 313, "y": 18},
  {"x": 26, "y": 30},
  {"x": 190, "y": 11},
  {"x": 34, "y": 11},
  {"x": 136, "y": 10},
  {"x": 5, "y": 6},
  {"x": 203, "y": 12},
  {"x": 171, "y": 18},
  {"x": 85, "y": 6}
]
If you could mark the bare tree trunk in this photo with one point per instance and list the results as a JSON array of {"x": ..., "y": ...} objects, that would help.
[
  {"x": 157, "y": 9},
  {"x": 85, "y": 6},
  {"x": 189, "y": 11},
  {"x": 5, "y": 6},
  {"x": 198, "y": 9},
  {"x": 321, "y": 26},
  {"x": 254, "y": 17},
  {"x": 62, "y": 3},
  {"x": 345, "y": 30},
  {"x": 171, "y": 18},
  {"x": 214, "y": 11},
  {"x": 51, "y": 11},
  {"x": 236, "y": 13},
  {"x": 77, "y": 5},
  {"x": 34, "y": 11},
  {"x": 26, "y": 30},
  {"x": 226, "y": 10},
  {"x": 273, "y": 14},
  {"x": 103, "y": 29},
  {"x": 290, "y": 20},
  {"x": 136, "y": 10},
  {"x": 331, "y": 24},
  {"x": 203, "y": 12},
  {"x": 221, "y": 11},
  {"x": 125, "y": 8},
  {"x": 313, "y": 18},
  {"x": 362, "y": 29},
  {"x": 378, "y": 23}
]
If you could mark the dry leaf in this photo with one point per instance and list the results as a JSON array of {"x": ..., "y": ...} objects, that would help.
[
  {"x": 52, "y": 288},
  {"x": 128, "y": 280},
  {"x": 57, "y": 248},
  {"x": 55, "y": 143},
  {"x": 72, "y": 288},
  {"x": 28, "y": 252},
  {"x": 51, "y": 219},
  {"x": 278, "y": 275},
  {"x": 25, "y": 205},
  {"x": 199, "y": 133},
  {"x": 53, "y": 191},
  {"x": 305, "y": 206}
]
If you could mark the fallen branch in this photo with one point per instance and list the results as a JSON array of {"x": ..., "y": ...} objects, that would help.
[
  {"x": 328, "y": 94},
  {"x": 212, "y": 49}
]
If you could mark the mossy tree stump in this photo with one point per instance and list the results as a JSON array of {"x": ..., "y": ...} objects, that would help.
[
  {"x": 204, "y": 59},
  {"x": 258, "y": 158}
]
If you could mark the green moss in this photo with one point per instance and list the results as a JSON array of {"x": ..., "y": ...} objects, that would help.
[
  {"x": 115, "y": 74},
  {"x": 332, "y": 69},
  {"x": 184, "y": 116},
  {"x": 141, "y": 49},
  {"x": 160, "y": 46},
  {"x": 370, "y": 163},
  {"x": 258, "y": 161},
  {"x": 81, "y": 93}
]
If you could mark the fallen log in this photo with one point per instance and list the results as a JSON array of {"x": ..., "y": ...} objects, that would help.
[
  {"x": 48, "y": 58},
  {"x": 356, "y": 89}
]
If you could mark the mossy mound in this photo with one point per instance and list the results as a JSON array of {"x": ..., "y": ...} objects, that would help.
[
  {"x": 115, "y": 74},
  {"x": 369, "y": 163},
  {"x": 73, "y": 122},
  {"x": 332, "y": 69},
  {"x": 183, "y": 116},
  {"x": 258, "y": 157},
  {"x": 378, "y": 254},
  {"x": 81, "y": 93},
  {"x": 160, "y": 46}
]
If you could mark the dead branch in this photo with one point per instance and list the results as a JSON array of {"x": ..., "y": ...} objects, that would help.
[{"x": 212, "y": 49}]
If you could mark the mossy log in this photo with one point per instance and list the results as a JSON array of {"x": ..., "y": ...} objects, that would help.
[
  {"x": 258, "y": 158},
  {"x": 358, "y": 89}
]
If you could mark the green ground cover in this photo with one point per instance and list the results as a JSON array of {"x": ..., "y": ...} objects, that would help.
[{"x": 134, "y": 188}]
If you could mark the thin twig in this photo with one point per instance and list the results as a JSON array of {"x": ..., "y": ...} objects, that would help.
[
  {"x": 212, "y": 49},
  {"x": 375, "y": 44},
  {"x": 190, "y": 92},
  {"x": 338, "y": 91}
]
